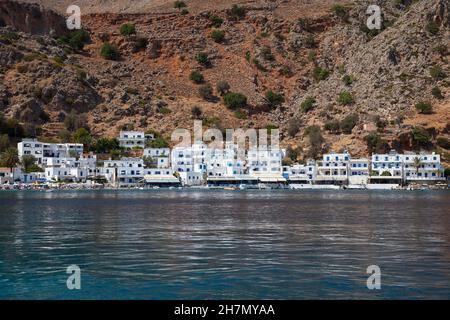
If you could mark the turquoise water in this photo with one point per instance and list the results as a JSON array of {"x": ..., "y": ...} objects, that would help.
[{"x": 224, "y": 244}]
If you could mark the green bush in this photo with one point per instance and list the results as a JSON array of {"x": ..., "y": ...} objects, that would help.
[
  {"x": 437, "y": 93},
  {"x": 308, "y": 104},
  {"x": 333, "y": 126},
  {"x": 239, "y": 114},
  {"x": 420, "y": 136},
  {"x": 218, "y": 36},
  {"x": 105, "y": 145},
  {"x": 222, "y": 87},
  {"x": 127, "y": 29},
  {"x": 437, "y": 73},
  {"x": 424, "y": 107},
  {"x": 340, "y": 11},
  {"x": 202, "y": 58},
  {"x": 316, "y": 141},
  {"x": 348, "y": 79},
  {"x": 258, "y": 65},
  {"x": 205, "y": 91},
  {"x": 4, "y": 142},
  {"x": 447, "y": 172},
  {"x": 237, "y": 12},
  {"x": 109, "y": 51},
  {"x": 285, "y": 71},
  {"x": 266, "y": 53},
  {"x": 196, "y": 112},
  {"x": 196, "y": 77},
  {"x": 274, "y": 99},
  {"x": 140, "y": 44},
  {"x": 310, "y": 42},
  {"x": 441, "y": 49},
  {"x": 234, "y": 100},
  {"x": 320, "y": 73},
  {"x": 432, "y": 27},
  {"x": 380, "y": 123},
  {"x": 8, "y": 37},
  {"x": 293, "y": 127},
  {"x": 82, "y": 136},
  {"x": 179, "y": 4},
  {"x": 78, "y": 39},
  {"x": 345, "y": 98},
  {"x": 216, "y": 21},
  {"x": 443, "y": 142},
  {"x": 375, "y": 144},
  {"x": 348, "y": 123}
]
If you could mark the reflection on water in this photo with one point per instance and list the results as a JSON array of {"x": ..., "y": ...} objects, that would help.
[{"x": 218, "y": 244}]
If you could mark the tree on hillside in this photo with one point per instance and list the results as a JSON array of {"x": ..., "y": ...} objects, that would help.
[
  {"x": 9, "y": 159},
  {"x": 127, "y": 29},
  {"x": 28, "y": 162},
  {"x": 179, "y": 5},
  {"x": 234, "y": 100}
]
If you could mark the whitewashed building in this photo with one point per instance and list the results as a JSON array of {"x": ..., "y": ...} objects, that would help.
[
  {"x": 422, "y": 167},
  {"x": 70, "y": 169},
  {"x": 181, "y": 158},
  {"x": 160, "y": 156},
  {"x": 302, "y": 174},
  {"x": 126, "y": 172},
  {"x": 42, "y": 150},
  {"x": 358, "y": 172},
  {"x": 132, "y": 139},
  {"x": 333, "y": 169}
]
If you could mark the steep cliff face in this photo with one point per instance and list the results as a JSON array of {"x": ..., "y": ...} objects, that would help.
[
  {"x": 302, "y": 50},
  {"x": 31, "y": 18}
]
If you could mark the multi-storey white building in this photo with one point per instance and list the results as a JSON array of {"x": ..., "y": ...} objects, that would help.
[
  {"x": 388, "y": 165},
  {"x": 333, "y": 169},
  {"x": 126, "y": 172},
  {"x": 131, "y": 139},
  {"x": 182, "y": 160},
  {"x": 422, "y": 167},
  {"x": 358, "y": 172},
  {"x": 300, "y": 173},
  {"x": 225, "y": 162},
  {"x": 70, "y": 169},
  {"x": 42, "y": 150},
  {"x": 262, "y": 161},
  {"x": 160, "y": 156}
]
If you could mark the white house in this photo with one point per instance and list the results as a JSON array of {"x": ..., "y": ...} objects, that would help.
[
  {"x": 333, "y": 169},
  {"x": 386, "y": 171},
  {"x": 131, "y": 139},
  {"x": 126, "y": 172},
  {"x": 261, "y": 161},
  {"x": 358, "y": 172},
  {"x": 160, "y": 156},
  {"x": 422, "y": 167},
  {"x": 42, "y": 150},
  {"x": 303, "y": 174},
  {"x": 181, "y": 159},
  {"x": 70, "y": 169}
]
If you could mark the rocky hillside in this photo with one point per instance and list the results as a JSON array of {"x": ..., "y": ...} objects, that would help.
[{"x": 311, "y": 68}]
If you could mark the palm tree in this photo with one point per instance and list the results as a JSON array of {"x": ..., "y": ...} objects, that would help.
[
  {"x": 10, "y": 159},
  {"x": 417, "y": 163}
]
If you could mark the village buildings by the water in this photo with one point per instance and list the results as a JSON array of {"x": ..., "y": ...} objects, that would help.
[{"x": 199, "y": 165}]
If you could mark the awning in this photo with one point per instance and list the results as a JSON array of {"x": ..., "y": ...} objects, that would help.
[
  {"x": 271, "y": 179},
  {"x": 160, "y": 179}
]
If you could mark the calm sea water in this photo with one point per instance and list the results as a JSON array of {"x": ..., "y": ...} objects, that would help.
[{"x": 224, "y": 244}]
